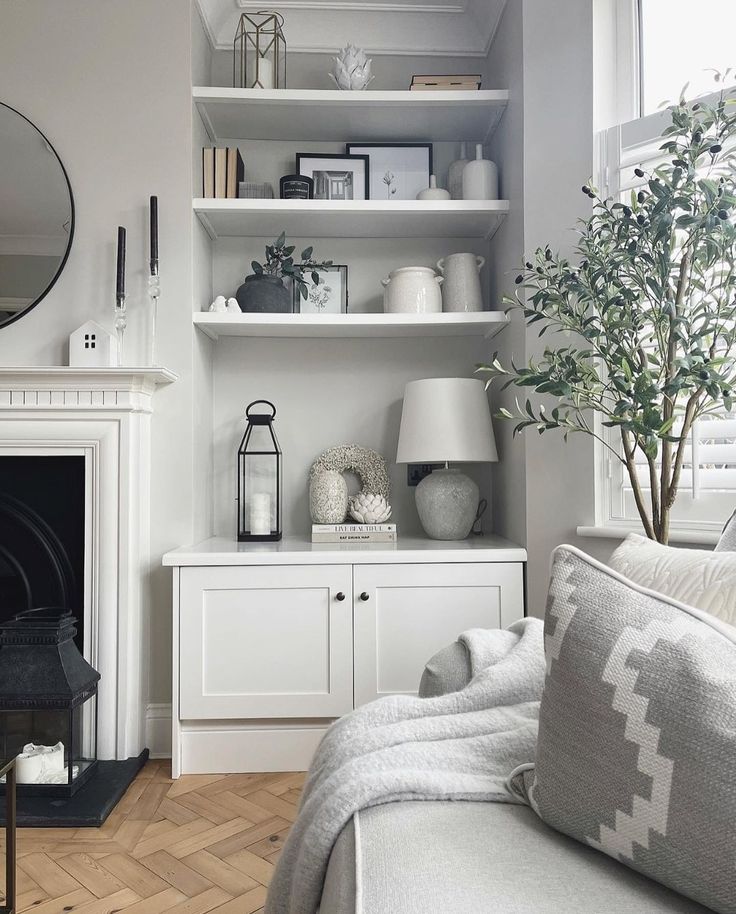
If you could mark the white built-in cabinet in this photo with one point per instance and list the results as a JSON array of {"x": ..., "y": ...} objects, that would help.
[{"x": 272, "y": 644}]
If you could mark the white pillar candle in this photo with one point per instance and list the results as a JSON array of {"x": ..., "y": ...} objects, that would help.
[
  {"x": 28, "y": 767},
  {"x": 265, "y": 73},
  {"x": 260, "y": 514}
]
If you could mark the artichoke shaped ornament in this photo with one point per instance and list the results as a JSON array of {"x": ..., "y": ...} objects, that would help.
[
  {"x": 352, "y": 69},
  {"x": 367, "y": 508}
]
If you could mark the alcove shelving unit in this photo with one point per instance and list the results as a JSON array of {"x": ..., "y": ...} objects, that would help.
[
  {"x": 353, "y": 219},
  {"x": 302, "y": 115},
  {"x": 272, "y": 641},
  {"x": 368, "y": 116},
  {"x": 485, "y": 324}
]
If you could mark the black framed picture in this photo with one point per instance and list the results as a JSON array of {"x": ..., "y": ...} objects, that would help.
[
  {"x": 398, "y": 171},
  {"x": 328, "y": 296},
  {"x": 335, "y": 176}
]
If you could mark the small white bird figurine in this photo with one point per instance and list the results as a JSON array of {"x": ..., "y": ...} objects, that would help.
[
  {"x": 232, "y": 306},
  {"x": 218, "y": 305},
  {"x": 352, "y": 69}
]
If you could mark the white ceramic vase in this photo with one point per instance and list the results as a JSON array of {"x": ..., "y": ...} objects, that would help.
[
  {"x": 455, "y": 174},
  {"x": 433, "y": 192},
  {"x": 461, "y": 290},
  {"x": 480, "y": 178},
  {"x": 412, "y": 290},
  {"x": 447, "y": 504}
]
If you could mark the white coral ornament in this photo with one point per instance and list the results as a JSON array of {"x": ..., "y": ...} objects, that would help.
[
  {"x": 367, "y": 508},
  {"x": 352, "y": 69}
]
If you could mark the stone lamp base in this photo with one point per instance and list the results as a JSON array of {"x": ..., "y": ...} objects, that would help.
[{"x": 447, "y": 502}]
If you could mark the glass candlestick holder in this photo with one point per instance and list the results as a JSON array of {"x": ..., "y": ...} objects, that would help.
[
  {"x": 121, "y": 322},
  {"x": 154, "y": 293}
]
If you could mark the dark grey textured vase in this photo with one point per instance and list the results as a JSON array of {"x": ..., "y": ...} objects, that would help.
[{"x": 264, "y": 295}]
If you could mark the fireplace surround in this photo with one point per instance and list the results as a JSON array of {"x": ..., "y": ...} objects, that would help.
[{"x": 102, "y": 416}]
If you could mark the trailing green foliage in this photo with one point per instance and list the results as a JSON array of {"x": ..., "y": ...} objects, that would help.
[
  {"x": 280, "y": 262},
  {"x": 646, "y": 313}
]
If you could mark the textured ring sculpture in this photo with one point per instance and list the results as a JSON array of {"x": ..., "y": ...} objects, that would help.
[{"x": 368, "y": 465}]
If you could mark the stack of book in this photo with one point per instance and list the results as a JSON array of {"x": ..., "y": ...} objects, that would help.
[
  {"x": 222, "y": 170},
  {"x": 353, "y": 533},
  {"x": 457, "y": 82}
]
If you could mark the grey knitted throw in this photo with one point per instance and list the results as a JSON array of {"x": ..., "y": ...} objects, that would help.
[{"x": 461, "y": 746}]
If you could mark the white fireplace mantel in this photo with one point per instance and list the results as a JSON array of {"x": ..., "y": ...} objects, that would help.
[
  {"x": 128, "y": 389},
  {"x": 104, "y": 415}
]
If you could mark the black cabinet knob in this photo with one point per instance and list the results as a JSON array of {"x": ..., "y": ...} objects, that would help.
[
  {"x": 340, "y": 597},
  {"x": 364, "y": 597}
]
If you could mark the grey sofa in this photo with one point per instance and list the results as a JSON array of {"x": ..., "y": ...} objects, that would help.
[{"x": 480, "y": 858}]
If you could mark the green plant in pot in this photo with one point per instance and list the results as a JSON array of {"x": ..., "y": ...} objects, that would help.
[
  {"x": 264, "y": 291},
  {"x": 645, "y": 318}
]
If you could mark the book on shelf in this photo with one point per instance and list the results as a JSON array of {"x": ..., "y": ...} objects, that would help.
[
  {"x": 235, "y": 172},
  {"x": 462, "y": 81},
  {"x": 208, "y": 172},
  {"x": 354, "y": 533},
  {"x": 222, "y": 171}
]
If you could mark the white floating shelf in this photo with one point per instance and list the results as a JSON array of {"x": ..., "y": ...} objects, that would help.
[
  {"x": 484, "y": 324},
  {"x": 352, "y": 218},
  {"x": 330, "y": 115}
]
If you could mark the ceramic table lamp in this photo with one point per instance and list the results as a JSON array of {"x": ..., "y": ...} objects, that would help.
[{"x": 446, "y": 420}]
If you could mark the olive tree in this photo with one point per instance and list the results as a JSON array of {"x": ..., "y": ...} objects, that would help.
[{"x": 641, "y": 321}]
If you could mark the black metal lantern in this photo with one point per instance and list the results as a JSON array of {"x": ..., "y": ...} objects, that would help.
[
  {"x": 259, "y": 51},
  {"x": 259, "y": 478},
  {"x": 48, "y": 703}
]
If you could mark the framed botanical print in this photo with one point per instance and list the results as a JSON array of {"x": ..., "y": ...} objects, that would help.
[
  {"x": 398, "y": 171},
  {"x": 328, "y": 296}
]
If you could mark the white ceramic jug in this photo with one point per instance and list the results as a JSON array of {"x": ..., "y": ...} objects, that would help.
[
  {"x": 480, "y": 178},
  {"x": 461, "y": 291},
  {"x": 412, "y": 290}
]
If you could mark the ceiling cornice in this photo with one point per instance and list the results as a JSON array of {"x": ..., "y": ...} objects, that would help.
[
  {"x": 424, "y": 28},
  {"x": 371, "y": 6}
]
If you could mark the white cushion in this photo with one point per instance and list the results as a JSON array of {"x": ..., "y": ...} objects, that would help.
[{"x": 706, "y": 580}]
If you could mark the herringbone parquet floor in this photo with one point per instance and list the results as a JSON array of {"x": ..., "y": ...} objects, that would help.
[{"x": 204, "y": 843}]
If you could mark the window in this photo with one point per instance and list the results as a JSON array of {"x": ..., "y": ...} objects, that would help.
[
  {"x": 681, "y": 42},
  {"x": 678, "y": 41}
]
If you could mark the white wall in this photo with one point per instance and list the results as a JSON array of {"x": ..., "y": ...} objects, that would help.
[
  {"x": 504, "y": 68},
  {"x": 544, "y": 488},
  {"x": 109, "y": 84}
]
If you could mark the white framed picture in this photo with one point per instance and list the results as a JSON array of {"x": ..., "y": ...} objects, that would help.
[
  {"x": 335, "y": 176},
  {"x": 398, "y": 171},
  {"x": 328, "y": 296}
]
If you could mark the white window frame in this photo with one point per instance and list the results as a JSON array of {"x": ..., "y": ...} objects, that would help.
[{"x": 639, "y": 138}]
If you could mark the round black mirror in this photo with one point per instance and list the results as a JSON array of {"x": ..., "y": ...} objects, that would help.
[{"x": 36, "y": 215}]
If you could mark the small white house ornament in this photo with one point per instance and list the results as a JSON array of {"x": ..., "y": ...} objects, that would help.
[{"x": 91, "y": 346}]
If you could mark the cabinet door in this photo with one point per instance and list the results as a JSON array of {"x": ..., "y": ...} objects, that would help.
[
  {"x": 405, "y": 613},
  {"x": 265, "y": 642}
]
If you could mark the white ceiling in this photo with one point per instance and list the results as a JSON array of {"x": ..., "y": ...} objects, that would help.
[{"x": 462, "y": 28}]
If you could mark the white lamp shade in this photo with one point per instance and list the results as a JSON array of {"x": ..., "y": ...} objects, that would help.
[{"x": 446, "y": 419}]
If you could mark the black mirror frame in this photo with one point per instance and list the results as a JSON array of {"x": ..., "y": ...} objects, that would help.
[{"x": 56, "y": 275}]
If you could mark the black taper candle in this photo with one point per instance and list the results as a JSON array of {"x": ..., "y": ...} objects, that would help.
[
  {"x": 154, "y": 236},
  {"x": 120, "y": 287}
]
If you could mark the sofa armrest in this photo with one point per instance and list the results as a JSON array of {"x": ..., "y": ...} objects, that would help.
[{"x": 448, "y": 671}]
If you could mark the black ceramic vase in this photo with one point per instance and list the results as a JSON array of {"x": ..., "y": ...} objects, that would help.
[{"x": 264, "y": 294}]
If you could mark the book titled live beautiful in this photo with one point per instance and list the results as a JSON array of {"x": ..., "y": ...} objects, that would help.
[{"x": 353, "y": 533}]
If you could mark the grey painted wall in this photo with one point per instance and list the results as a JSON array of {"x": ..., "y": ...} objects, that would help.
[{"x": 109, "y": 84}]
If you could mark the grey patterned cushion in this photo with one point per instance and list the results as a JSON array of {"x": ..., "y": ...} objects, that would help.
[
  {"x": 637, "y": 732},
  {"x": 727, "y": 542}
]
